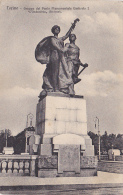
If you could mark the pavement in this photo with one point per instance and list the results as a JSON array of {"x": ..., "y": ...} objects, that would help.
[{"x": 104, "y": 179}]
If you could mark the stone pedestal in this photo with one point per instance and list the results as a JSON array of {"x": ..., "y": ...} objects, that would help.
[
  {"x": 61, "y": 114},
  {"x": 61, "y": 122}
]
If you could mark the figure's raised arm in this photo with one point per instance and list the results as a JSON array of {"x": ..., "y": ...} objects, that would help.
[{"x": 70, "y": 30}]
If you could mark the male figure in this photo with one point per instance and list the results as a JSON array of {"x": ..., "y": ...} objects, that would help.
[{"x": 72, "y": 57}]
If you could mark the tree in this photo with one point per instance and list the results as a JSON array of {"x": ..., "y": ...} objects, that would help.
[
  {"x": 104, "y": 142},
  {"x": 119, "y": 142},
  {"x": 112, "y": 141},
  {"x": 3, "y": 135}
]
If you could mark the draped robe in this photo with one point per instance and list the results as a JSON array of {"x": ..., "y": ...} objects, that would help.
[{"x": 56, "y": 76}]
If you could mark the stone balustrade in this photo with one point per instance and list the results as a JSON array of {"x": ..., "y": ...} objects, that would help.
[
  {"x": 103, "y": 157},
  {"x": 119, "y": 158},
  {"x": 114, "y": 158},
  {"x": 19, "y": 165}
]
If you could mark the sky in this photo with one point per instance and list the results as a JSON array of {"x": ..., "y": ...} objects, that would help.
[{"x": 99, "y": 37}]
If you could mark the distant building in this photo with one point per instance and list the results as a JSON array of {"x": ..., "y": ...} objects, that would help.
[
  {"x": 22, "y": 140},
  {"x": 112, "y": 153}
]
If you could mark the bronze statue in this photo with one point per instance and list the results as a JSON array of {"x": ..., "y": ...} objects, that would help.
[
  {"x": 72, "y": 57},
  {"x": 59, "y": 74},
  {"x": 51, "y": 51}
]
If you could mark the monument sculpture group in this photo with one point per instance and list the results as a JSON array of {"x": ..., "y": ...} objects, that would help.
[
  {"x": 62, "y": 61},
  {"x": 64, "y": 148}
]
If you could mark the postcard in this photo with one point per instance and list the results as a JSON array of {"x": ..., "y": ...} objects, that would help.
[{"x": 67, "y": 48}]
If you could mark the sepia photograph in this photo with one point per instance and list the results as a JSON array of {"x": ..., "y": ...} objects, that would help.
[{"x": 61, "y": 97}]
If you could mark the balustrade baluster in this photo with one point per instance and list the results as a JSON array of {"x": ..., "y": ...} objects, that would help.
[{"x": 4, "y": 167}]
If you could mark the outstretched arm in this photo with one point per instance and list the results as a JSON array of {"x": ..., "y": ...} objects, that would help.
[
  {"x": 81, "y": 64},
  {"x": 70, "y": 30},
  {"x": 84, "y": 65},
  {"x": 67, "y": 34}
]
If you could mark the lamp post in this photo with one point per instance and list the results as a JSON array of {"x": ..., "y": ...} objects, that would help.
[
  {"x": 97, "y": 120},
  {"x": 6, "y": 136},
  {"x": 29, "y": 116}
]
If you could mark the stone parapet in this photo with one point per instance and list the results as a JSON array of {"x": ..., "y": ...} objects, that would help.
[
  {"x": 119, "y": 158},
  {"x": 110, "y": 166}
]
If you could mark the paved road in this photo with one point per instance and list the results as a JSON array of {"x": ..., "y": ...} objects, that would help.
[
  {"x": 103, "y": 184},
  {"x": 100, "y": 191}
]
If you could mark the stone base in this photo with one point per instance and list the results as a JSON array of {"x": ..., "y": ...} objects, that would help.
[
  {"x": 50, "y": 145},
  {"x": 53, "y": 173},
  {"x": 48, "y": 167}
]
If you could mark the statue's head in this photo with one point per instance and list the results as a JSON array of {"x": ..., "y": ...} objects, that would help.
[
  {"x": 55, "y": 29},
  {"x": 72, "y": 37}
]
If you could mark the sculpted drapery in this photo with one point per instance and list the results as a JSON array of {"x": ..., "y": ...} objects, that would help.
[
  {"x": 56, "y": 76},
  {"x": 51, "y": 51}
]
